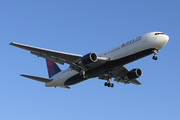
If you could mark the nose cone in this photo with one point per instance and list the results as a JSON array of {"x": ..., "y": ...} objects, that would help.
[
  {"x": 165, "y": 39},
  {"x": 162, "y": 41}
]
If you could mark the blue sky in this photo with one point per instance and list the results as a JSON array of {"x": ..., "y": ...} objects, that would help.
[{"x": 81, "y": 27}]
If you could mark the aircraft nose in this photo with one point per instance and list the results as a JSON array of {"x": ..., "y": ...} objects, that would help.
[
  {"x": 166, "y": 38},
  {"x": 161, "y": 41}
]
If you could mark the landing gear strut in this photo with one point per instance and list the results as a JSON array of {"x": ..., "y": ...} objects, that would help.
[
  {"x": 108, "y": 83},
  {"x": 83, "y": 74},
  {"x": 155, "y": 53}
]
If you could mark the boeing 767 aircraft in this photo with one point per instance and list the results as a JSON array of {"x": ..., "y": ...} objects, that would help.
[{"x": 105, "y": 66}]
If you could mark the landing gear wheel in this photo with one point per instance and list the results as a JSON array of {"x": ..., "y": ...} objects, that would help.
[
  {"x": 155, "y": 58},
  {"x": 112, "y": 85},
  {"x": 85, "y": 76},
  {"x": 109, "y": 84}
]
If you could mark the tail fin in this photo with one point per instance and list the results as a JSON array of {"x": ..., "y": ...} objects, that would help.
[{"x": 52, "y": 68}]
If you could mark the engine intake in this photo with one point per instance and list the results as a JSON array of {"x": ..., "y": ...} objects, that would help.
[
  {"x": 134, "y": 73},
  {"x": 89, "y": 58}
]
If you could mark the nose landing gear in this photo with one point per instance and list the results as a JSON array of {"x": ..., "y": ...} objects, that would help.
[
  {"x": 155, "y": 53},
  {"x": 155, "y": 57}
]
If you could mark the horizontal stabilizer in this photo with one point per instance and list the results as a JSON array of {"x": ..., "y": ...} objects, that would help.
[{"x": 40, "y": 79}]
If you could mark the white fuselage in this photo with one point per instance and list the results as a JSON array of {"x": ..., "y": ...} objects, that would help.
[{"x": 144, "y": 42}]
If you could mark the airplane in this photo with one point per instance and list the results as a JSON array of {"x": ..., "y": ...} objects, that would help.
[{"x": 107, "y": 65}]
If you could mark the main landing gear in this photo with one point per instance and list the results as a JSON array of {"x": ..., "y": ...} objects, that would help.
[
  {"x": 155, "y": 53},
  {"x": 83, "y": 74},
  {"x": 108, "y": 83}
]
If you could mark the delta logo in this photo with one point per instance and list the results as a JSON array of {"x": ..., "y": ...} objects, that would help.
[{"x": 122, "y": 45}]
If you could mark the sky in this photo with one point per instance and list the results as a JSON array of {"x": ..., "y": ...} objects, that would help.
[{"x": 80, "y": 27}]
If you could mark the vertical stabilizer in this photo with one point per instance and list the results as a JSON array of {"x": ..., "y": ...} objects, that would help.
[{"x": 52, "y": 68}]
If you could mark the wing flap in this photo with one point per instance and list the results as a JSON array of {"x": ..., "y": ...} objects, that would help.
[
  {"x": 40, "y": 79},
  {"x": 135, "y": 81},
  {"x": 55, "y": 59}
]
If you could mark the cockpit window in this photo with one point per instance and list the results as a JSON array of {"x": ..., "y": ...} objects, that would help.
[{"x": 159, "y": 33}]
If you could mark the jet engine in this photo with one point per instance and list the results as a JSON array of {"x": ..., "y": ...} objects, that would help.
[
  {"x": 134, "y": 73},
  {"x": 88, "y": 59}
]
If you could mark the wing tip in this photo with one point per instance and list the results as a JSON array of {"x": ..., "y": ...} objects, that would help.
[
  {"x": 22, "y": 75},
  {"x": 11, "y": 43}
]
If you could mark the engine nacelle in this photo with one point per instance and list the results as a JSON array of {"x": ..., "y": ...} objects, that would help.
[
  {"x": 89, "y": 58},
  {"x": 134, "y": 73}
]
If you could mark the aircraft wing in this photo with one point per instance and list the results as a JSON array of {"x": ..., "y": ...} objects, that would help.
[
  {"x": 56, "y": 56},
  {"x": 119, "y": 74},
  {"x": 59, "y": 57},
  {"x": 122, "y": 72}
]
